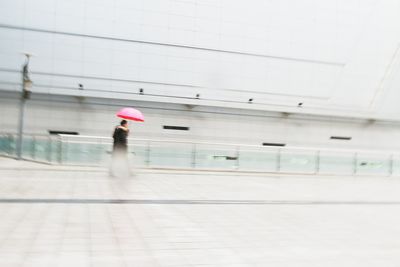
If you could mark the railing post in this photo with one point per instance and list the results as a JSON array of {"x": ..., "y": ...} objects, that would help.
[
  {"x": 317, "y": 161},
  {"x": 33, "y": 147},
  {"x": 278, "y": 161},
  {"x": 194, "y": 148},
  {"x": 65, "y": 150},
  {"x": 10, "y": 145},
  {"x": 60, "y": 149},
  {"x": 3, "y": 144},
  {"x": 237, "y": 157},
  {"x": 391, "y": 165},
  {"x": 20, "y": 140},
  {"x": 99, "y": 151},
  {"x": 49, "y": 149},
  {"x": 148, "y": 153},
  {"x": 355, "y": 163}
]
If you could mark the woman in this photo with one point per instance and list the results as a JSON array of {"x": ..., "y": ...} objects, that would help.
[
  {"x": 120, "y": 137},
  {"x": 120, "y": 148}
]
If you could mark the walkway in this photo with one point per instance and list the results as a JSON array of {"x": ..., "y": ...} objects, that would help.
[{"x": 57, "y": 216}]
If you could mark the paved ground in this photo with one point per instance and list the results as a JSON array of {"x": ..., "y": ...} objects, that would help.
[{"x": 79, "y": 217}]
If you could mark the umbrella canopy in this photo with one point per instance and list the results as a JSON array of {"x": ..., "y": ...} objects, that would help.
[{"x": 130, "y": 114}]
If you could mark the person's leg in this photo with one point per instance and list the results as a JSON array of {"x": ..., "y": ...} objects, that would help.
[
  {"x": 128, "y": 164},
  {"x": 125, "y": 161},
  {"x": 111, "y": 170}
]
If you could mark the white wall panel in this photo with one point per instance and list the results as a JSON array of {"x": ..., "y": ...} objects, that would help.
[
  {"x": 12, "y": 14},
  {"x": 356, "y": 41},
  {"x": 15, "y": 58},
  {"x": 207, "y": 12},
  {"x": 98, "y": 27},
  {"x": 39, "y": 19},
  {"x": 120, "y": 71},
  {"x": 151, "y": 18},
  {"x": 74, "y": 67},
  {"x": 182, "y": 22},
  {"x": 66, "y": 47},
  {"x": 151, "y": 5},
  {"x": 130, "y": 16},
  {"x": 9, "y": 47},
  {"x": 69, "y": 23},
  {"x": 151, "y": 33},
  {"x": 100, "y": 11},
  {"x": 183, "y": 8},
  {"x": 207, "y": 40},
  {"x": 74, "y": 8}
]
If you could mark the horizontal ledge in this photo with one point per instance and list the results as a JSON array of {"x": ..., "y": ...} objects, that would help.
[{"x": 189, "y": 202}]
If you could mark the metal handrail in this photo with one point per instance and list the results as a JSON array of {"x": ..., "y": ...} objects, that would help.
[{"x": 289, "y": 148}]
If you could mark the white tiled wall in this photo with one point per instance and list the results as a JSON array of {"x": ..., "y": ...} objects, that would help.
[
  {"x": 337, "y": 56},
  {"x": 357, "y": 38}
]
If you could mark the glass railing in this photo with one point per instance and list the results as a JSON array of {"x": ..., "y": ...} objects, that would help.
[
  {"x": 43, "y": 148},
  {"x": 146, "y": 153},
  {"x": 7, "y": 144}
]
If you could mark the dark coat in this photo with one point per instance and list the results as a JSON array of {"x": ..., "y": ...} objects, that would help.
[{"x": 120, "y": 138}]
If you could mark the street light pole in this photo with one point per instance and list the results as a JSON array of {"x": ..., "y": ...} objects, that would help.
[{"x": 26, "y": 92}]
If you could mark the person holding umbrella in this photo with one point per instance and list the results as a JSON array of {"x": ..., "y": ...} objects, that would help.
[
  {"x": 120, "y": 137},
  {"x": 120, "y": 144}
]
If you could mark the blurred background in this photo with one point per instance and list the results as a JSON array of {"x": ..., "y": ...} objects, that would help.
[
  {"x": 270, "y": 136},
  {"x": 314, "y": 74}
]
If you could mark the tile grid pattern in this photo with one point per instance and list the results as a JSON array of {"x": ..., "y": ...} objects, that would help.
[{"x": 236, "y": 235}]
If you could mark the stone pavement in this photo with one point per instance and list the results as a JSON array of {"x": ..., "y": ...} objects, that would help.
[{"x": 58, "y": 216}]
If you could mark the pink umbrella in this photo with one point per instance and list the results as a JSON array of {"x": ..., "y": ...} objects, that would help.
[{"x": 130, "y": 114}]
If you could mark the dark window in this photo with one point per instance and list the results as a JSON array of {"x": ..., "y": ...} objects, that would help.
[
  {"x": 225, "y": 157},
  {"x": 341, "y": 137},
  {"x": 273, "y": 144},
  {"x": 62, "y": 132},
  {"x": 179, "y": 128}
]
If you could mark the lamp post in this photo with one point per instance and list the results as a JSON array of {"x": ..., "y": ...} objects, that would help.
[{"x": 26, "y": 93}]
